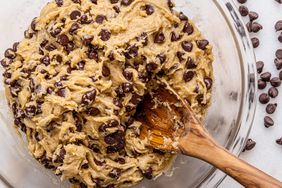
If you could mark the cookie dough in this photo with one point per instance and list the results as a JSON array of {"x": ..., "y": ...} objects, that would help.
[{"x": 74, "y": 82}]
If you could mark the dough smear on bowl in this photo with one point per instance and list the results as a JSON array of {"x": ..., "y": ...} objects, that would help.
[{"x": 74, "y": 81}]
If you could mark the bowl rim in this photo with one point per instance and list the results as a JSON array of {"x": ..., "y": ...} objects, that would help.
[{"x": 249, "y": 87}]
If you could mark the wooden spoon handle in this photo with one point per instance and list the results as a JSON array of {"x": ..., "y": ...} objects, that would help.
[{"x": 200, "y": 145}]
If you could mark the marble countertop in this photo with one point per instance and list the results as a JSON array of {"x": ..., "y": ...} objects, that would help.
[{"x": 267, "y": 155}]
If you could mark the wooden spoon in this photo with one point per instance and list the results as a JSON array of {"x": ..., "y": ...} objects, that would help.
[{"x": 169, "y": 124}]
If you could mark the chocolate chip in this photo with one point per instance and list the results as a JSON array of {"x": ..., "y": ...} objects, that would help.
[
  {"x": 30, "y": 111},
  {"x": 135, "y": 99},
  {"x": 94, "y": 1},
  {"x": 174, "y": 37},
  {"x": 268, "y": 122},
  {"x": 188, "y": 76},
  {"x": 55, "y": 32},
  {"x": 87, "y": 39},
  {"x": 208, "y": 83},
  {"x": 114, "y": 1},
  {"x": 275, "y": 82},
  {"x": 180, "y": 55},
  {"x": 69, "y": 47},
  {"x": 144, "y": 38},
  {"x": 187, "y": 46},
  {"x": 148, "y": 173},
  {"x": 260, "y": 66},
  {"x": 50, "y": 47},
  {"x": 4, "y": 63},
  {"x": 88, "y": 97},
  {"x": 266, "y": 76},
  {"x": 255, "y": 42},
  {"x": 106, "y": 71},
  {"x": 119, "y": 91},
  {"x": 182, "y": 17},
  {"x": 144, "y": 77},
  {"x": 128, "y": 75},
  {"x": 105, "y": 35},
  {"x": 278, "y": 25},
  {"x": 170, "y": 4},
  {"x": 278, "y": 54},
  {"x": 127, "y": 87},
  {"x": 280, "y": 38},
  {"x": 115, "y": 173},
  {"x": 81, "y": 65},
  {"x": 116, "y": 8},
  {"x": 151, "y": 67},
  {"x": 92, "y": 54},
  {"x": 264, "y": 98},
  {"x": 63, "y": 39},
  {"x": 45, "y": 60},
  {"x": 261, "y": 84},
  {"x": 159, "y": 38},
  {"x": 118, "y": 102},
  {"x": 242, "y": 1},
  {"x": 76, "y": 1},
  {"x": 49, "y": 90},
  {"x": 9, "y": 53},
  {"x": 59, "y": 3},
  {"x": 256, "y": 27},
  {"x": 161, "y": 57},
  {"x": 84, "y": 19},
  {"x": 279, "y": 141},
  {"x": 100, "y": 19},
  {"x": 33, "y": 25},
  {"x": 253, "y": 15},
  {"x": 273, "y": 92},
  {"x": 126, "y": 2},
  {"x": 249, "y": 145},
  {"x": 93, "y": 111},
  {"x": 74, "y": 27},
  {"x": 271, "y": 108},
  {"x": 244, "y": 11},
  {"x": 149, "y": 9},
  {"x": 188, "y": 28},
  {"x": 202, "y": 44},
  {"x": 58, "y": 84},
  {"x": 280, "y": 75},
  {"x": 75, "y": 15},
  {"x": 132, "y": 51},
  {"x": 114, "y": 138}
]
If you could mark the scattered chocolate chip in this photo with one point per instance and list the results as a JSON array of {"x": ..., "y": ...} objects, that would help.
[
  {"x": 279, "y": 141},
  {"x": 55, "y": 32},
  {"x": 278, "y": 25},
  {"x": 260, "y": 66},
  {"x": 161, "y": 57},
  {"x": 182, "y": 17},
  {"x": 135, "y": 99},
  {"x": 244, "y": 11},
  {"x": 202, "y": 44},
  {"x": 9, "y": 53},
  {"x": 268, "y": 122},
  {"x": 106, "y": 71},
  {"x": 30, "y": 111},
  {"x": 115, "y": 173},
  {"x": 253, "y": 15},
  {"x": 74, "y": 27},
  {"x": 266, "y": 76},
  {"x": 50, "y": 90},
  {"x": 88, "y": 97},
  {"x": 255, "y": 42},
  {"x": 280, "y": 38},
  {"x": 170, "y": 4},
  {"x": 275, "y": 82},
  {"x": 75, "y": 15},
  {"x": 128, "y": 75},
  {"x": 45, "y": 60},
  {"x": 278, "y": 54},
  {"x": 151, "y": 67},
  {"x": 190, "y": 64},
  {"x": 188, "y": 76},
  {"x": 114, "y": 1},
  {"x": 84, "y": 19},
  {"x": 144, "y": 77},
  {"x": 264, "y": 98},
  {"x": 63, "y": 39},
  {"x": 116, "y": 8},
  {"x": 159, "y": 38},
  {"x": 144, "y": 38},
  {"x": 76, "y": 1},
  {"x": 148, "y": 173},
  {"x": 132, "y": 51},
  {"x": 50, "y": 47},
  {"x": 127, "y": 87},
  {"x": 105, "y": 35},
  {"x": 175, "y": 37},
  {"x": 119, "y": 91},
  {"x": 87, "y": 39},
  {"x": 59, "y": 3},
  {"x": 94, "y": 1},
  {"x": 187, "y": 46},
  {"x": 280, "y": 75},
  {"x": 188, "y": 28},
  {"x": 58, "y": 84},
  {"x": 81, "y": 65},
  {"x": 273, "y": 92},
  {"x": 100, "y": 19},
  {"x": 256, "y": 27},
  {"x": 271, "y": 108},
  {"x": 149, "y": 9},
  {"x": 33, "y": 25},
  {"x": 118, "y": 102},
  {"x": 261, "y": 84},
  {"x": 208, "y": 83},
  {"x": 126, "y": 2},
  {"x": 93, "y": 111},
  {"x": 242, "y": 1},
  {"x": 249, "y": 145},
  {"x": 180, "y": 55}
]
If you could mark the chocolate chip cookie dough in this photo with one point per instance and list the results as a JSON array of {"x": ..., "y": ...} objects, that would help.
[{"x": 75, "y": 81}]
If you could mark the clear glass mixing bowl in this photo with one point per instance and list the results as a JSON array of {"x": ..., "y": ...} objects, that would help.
[{"x": 229, "y": 118}]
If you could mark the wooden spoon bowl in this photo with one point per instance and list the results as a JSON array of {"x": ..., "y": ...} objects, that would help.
[{"x": 169, "y": 124}]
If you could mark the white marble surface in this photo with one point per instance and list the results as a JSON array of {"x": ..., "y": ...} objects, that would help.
[{"x": 267, "y": 155}]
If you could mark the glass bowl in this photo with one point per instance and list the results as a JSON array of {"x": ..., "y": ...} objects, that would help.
[{"x": 229, "y": 118}]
